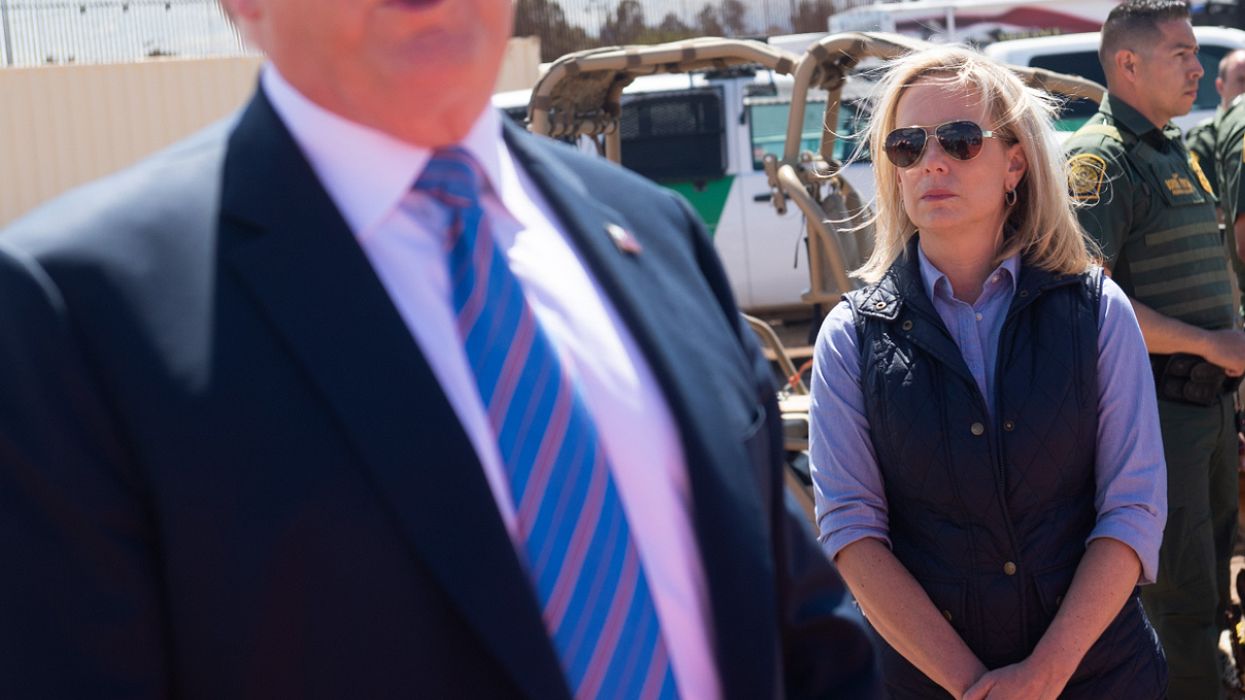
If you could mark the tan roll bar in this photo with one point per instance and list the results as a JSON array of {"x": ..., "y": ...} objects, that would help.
[
  {"x": 581, "y": 92},
  {"x": 829, "y": 204}
]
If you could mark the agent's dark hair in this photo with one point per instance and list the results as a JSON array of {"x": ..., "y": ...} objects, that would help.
[{"x": 1135, "y": 24}]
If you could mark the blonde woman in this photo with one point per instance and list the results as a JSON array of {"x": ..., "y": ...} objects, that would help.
[{"x": 986, "y": 454}]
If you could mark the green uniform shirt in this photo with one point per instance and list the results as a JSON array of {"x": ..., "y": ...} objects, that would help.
[
  {"x": 1201, "y": 144},
  {"x": 1230, "y": 129},
  {"x": 1151, "y": 209}
]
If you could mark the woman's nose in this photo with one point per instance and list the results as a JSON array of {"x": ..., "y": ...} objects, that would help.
[{"x": 934, "y": 158}]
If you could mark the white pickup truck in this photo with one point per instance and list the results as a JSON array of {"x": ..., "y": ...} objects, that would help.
[{"x": 1077, "y": 54}]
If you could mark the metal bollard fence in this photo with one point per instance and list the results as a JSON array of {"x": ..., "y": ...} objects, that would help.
[{"x": 41, "y": 32}]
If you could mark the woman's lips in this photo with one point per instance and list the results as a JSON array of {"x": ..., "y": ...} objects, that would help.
[{"x": 937, "y": 195}]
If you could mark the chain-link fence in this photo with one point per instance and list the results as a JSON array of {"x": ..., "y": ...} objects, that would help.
[{"x": 40, "y": 32}]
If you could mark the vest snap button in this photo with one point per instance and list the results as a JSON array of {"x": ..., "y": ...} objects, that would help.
[
  {"x": 1024, "y": 293},
  {"x": 907, "y": 325},
  {"x": 1009, "y": 569},
  {"x": 947, "y": 614},
  {"x": 977, "y": 429},
  {"x": 880, "y": 305},
  {"x": 1009, "y": 426}
]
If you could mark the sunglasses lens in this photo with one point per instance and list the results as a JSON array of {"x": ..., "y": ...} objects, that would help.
[
  {"x": 904, "y": 146},
  {"x": 960, "y": 140}
]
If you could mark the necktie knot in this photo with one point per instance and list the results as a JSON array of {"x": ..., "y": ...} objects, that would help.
[{"x": 453, "y": 177}]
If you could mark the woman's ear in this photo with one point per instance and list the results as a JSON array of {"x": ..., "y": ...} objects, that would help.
[{"x": 1017, "y": 165}]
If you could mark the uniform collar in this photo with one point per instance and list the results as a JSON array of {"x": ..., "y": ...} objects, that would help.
[{"x": 1127, "y": 116}]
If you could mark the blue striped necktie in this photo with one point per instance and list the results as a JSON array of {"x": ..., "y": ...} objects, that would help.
[{"x": 594, "y": 596}]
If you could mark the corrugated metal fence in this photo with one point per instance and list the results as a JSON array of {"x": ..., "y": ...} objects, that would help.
[{"x": 58, "y": 32}]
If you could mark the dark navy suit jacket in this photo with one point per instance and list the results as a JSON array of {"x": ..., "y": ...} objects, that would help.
[{"x": 226, "y": 470}]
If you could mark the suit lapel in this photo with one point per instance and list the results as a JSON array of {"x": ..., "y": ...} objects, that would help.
[
  {"x": 290, "y": 247},
  {"x": 729, "y": 518}
]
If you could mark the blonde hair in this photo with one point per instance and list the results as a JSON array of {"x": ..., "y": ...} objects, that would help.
[{"x": 1043, "y": 224}]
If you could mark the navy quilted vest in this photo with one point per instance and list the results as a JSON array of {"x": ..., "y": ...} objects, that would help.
[{"x": 991, "y": 514}]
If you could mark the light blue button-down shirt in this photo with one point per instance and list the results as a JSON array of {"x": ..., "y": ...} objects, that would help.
[
  {"x": 975, "y": 327},
  {"x": 1131, "y": 475}
]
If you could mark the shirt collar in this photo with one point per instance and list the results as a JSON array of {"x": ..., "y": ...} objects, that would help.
[
  {"x": 935, "y": 282},
  {"x": 367, "y": 172},
  {"x": 1127, "y": 116}
]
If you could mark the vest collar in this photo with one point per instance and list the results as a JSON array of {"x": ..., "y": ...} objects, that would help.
[{"x": 902, "y": 284}]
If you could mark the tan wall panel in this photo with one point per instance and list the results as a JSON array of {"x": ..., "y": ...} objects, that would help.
[
  {"x": 62, "y": 126},
  {"x": 521, "y": 67}
]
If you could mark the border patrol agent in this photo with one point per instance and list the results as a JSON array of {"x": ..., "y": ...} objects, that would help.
[
  {"x": 1151, "y": 209},
  {"x": 1203, "y": 144}
]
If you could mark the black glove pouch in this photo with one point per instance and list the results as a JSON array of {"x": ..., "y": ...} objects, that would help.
[{"x": 1190, "y": 379}]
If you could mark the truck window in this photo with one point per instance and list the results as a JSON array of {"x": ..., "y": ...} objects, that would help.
[
  {"x": 1074, "y": 112},
  {"x": 767, "y": 120},
  {"x": 677, "y": 135},
  {"x": 1086, "y": 65}
]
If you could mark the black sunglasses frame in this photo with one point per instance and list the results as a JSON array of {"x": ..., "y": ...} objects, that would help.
[{"x": 960, "y": 146}]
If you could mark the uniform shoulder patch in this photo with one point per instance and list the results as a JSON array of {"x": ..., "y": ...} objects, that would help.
[
  {"x": 1086, "y": 172},
  {"x": 1196, "y": 163}
]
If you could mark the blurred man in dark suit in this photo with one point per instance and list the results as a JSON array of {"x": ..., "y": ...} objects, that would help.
[{"x": 368, "y": 394}]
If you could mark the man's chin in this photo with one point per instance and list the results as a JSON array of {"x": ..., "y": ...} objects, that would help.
[{"x": 430, "y": 127}]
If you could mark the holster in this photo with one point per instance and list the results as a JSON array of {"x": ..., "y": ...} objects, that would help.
[{"x": 1191, "y": 379}]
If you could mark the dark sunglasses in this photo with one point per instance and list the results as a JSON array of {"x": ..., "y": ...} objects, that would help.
[{"x": 961, "y": 140}]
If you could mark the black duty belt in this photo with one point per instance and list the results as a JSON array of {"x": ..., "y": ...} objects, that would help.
[{"x": 1191, "y": 379}]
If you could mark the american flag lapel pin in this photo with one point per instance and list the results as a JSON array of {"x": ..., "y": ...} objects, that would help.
[{"x": 623, "y": 239}]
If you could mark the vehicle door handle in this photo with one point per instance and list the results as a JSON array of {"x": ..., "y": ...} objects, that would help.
[{"x": 765, "y": 197}]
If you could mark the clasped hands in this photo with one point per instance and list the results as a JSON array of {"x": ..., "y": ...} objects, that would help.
[{"x": 1026, "y": 680}]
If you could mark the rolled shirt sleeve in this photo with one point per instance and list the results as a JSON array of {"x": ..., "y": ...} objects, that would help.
[
  {"x": 847, "y": 484},
  {"x": 1129, "y": 469}
]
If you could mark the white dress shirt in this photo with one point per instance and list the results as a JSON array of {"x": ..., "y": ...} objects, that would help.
[{"x": 369, "y": 176}]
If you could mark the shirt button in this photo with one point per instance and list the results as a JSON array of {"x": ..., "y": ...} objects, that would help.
[
  {"x": 947, "y": 614},
  {"x": 979, "y": 317},
  {"x": 1009, "y": 426},
  {"x": 977, "y": 429},
  {"x": 1009, "y": 568}
]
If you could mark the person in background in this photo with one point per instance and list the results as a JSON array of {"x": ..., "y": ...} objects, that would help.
[
  {"x": 984, "y": 441},
  {"x": 1200, "y": 140},
  {"x": 366, "y": 393},
  {"x": 1145, "y": 203}
]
